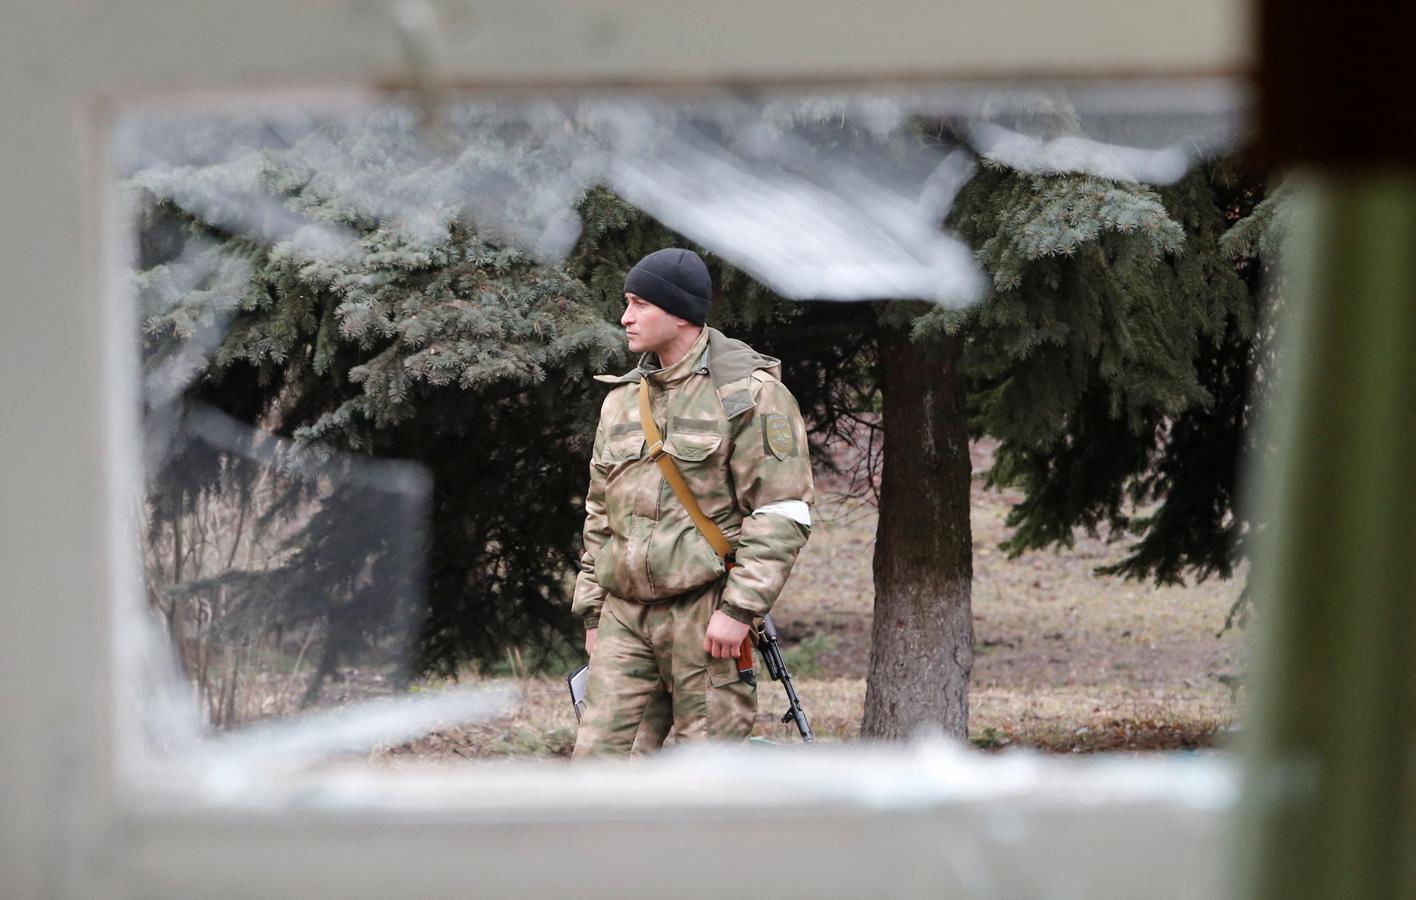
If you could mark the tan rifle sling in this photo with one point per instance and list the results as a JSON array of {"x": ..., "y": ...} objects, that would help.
[{"x": 675, "y": 479}]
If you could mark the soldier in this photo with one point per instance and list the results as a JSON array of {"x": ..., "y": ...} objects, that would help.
[{"x": 666, "y": 616}]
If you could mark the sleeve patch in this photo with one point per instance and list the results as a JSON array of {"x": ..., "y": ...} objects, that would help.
[{"x": 778, "y": 437}]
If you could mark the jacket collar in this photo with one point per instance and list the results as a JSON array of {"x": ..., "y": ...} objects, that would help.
[
  {"x": 725, "y": 359},
  {"x": 691, "y": 362}
]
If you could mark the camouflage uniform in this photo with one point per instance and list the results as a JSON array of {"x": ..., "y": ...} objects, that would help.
[{"x": 648, "y": 578}]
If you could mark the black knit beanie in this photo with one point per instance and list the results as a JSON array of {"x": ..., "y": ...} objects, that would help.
[{"x": 675, "y": 280}]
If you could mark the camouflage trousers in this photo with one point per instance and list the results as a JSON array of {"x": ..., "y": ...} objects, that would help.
[{"x": 650, "y": 677}]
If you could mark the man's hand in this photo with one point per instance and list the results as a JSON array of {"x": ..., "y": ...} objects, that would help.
[
  {"x": 590, "y": 634},
  {"x": 724, "y": 636}
]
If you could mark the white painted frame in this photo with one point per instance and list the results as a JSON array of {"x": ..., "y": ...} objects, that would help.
[{"x": 67, "y": 399}]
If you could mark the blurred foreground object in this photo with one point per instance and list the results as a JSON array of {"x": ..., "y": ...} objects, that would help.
[
  {"x": 1329, "y": 785},
  {"x": 1330, "y": 781}
]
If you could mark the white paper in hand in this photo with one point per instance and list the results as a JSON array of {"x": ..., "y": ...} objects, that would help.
[{"x": 577, "y": 681}]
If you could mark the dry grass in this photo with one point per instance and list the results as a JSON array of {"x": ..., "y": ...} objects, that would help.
[{"x": 1075, "y": 719}]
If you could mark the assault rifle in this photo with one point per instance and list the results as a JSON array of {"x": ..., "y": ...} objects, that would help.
[{"x": 777, "y": 668}]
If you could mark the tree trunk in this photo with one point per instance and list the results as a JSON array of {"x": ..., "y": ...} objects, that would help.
[{"x": 921, "y": 647}]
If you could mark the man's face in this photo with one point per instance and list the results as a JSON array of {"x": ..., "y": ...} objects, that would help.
[{"x": 648, "y": 327}]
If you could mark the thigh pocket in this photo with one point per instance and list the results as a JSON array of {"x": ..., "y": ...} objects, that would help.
[
  {"x": 732, "y": 704},
  {"x": 722, "y": 672}
]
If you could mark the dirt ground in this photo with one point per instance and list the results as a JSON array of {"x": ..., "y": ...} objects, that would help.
[
  {"x": 1065, "y": 660},
  {"x": 1058, "y": 649}
]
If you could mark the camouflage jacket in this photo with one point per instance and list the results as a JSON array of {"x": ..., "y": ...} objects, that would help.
[{"x": 737, "y": 436}]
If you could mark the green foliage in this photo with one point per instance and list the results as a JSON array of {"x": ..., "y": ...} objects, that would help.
[{"x": 1114, "y": 359}]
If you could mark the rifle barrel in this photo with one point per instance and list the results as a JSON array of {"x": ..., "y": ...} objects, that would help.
[{"x": 777, "y": 669}]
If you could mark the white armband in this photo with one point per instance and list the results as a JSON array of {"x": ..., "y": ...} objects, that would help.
[{"x": 796, "y": 510}]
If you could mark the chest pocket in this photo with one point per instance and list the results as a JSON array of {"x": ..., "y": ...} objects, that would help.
[
  {"x": 625, "y": 442},
  {"x": 692, "y": 440}
]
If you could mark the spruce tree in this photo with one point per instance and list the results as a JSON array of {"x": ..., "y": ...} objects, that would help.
[
  {"x": 355, "y": 333},
  {"x": 1112, "y": 358},
  {"x": 1116, "y": 367}
]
